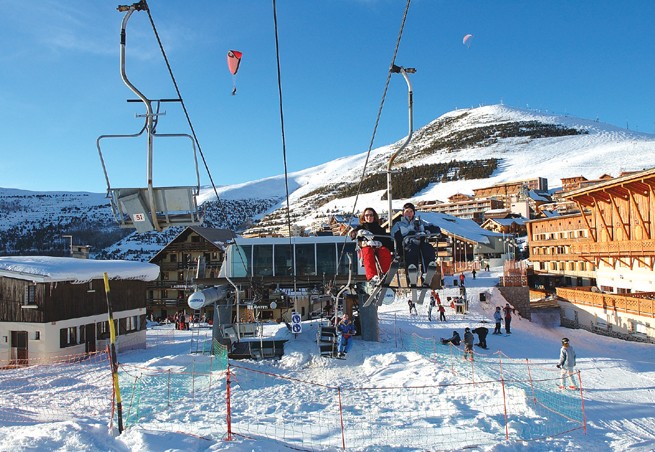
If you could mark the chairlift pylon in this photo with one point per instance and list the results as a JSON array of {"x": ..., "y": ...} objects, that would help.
[{"x": 150, "y": 208}]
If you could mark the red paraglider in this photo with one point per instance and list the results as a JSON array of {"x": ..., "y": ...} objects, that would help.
[
  {"x": 467, "y": 40},
  {"x": 233, "y": 62}
]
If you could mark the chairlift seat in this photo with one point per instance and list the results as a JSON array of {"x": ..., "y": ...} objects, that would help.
[{"x": 174, "y": 206}]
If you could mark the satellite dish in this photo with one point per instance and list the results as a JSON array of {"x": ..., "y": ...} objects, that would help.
[{"x": 273, "y": 305}]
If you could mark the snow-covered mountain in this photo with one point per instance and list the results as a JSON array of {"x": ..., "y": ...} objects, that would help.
[{"x": 456, "y": 153}]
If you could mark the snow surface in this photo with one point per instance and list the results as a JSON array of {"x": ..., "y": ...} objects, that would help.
[
  {"x": 618, "y": 380},
  {"x": 52, "y": 269}
]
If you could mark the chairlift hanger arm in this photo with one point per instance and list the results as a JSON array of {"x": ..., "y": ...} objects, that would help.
[
  {"x": 140, "y": 6},
  {"x": 410, "y": 101}
]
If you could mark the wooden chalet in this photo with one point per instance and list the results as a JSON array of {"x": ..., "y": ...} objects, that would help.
[
  {"x": 56, "y": 306},
  {"x": 192, "y": 258},
  {"x": 614, "y": 237}
]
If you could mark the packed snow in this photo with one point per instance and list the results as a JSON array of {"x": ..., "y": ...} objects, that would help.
[
  {"x": 53, "y": 269},
  {"x": 618, "y": 381}
]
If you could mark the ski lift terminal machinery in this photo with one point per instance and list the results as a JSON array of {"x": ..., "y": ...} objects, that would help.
[{"x": 150, "y": 208}]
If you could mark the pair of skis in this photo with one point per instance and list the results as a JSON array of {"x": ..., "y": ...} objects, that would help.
[
  {"x": 419, "y": 298},
  {"x": 378, "y": 292}
]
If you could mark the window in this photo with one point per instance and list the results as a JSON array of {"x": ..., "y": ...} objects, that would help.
[
  {"x": 173, "y": 257},
  {"x": 30, "y": 295},
  {"x": 103, "y": 330},
  {"x": 67, "y": 337},
  {"x": 132, "y": 324}
]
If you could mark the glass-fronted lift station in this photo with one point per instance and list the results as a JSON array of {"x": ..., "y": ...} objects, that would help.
[{"x": 284, "y": 260}]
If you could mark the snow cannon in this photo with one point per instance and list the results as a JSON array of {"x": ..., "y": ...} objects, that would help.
[{"x": 201, "y": 298}]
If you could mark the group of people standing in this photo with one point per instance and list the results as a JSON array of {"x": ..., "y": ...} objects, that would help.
[{"x": 505, "y": 314}]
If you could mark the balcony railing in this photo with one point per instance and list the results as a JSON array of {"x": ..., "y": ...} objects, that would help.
[
  {"x": 642, "y": 304},
  {"x": 623, "y": 248}
]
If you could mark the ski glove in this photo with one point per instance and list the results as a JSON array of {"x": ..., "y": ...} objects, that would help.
[{"x": 558, "y": 366}]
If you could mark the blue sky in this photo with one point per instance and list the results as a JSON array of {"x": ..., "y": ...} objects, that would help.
[{"x": 60, "y": 86}]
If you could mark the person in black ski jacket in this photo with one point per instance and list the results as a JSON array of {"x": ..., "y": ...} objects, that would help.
[
  {"x": 409, "y": 233},
  {"x": 482, "y": 332},
  {"x": 455, "y": 339},
  {"x": 468, "y": 344}
]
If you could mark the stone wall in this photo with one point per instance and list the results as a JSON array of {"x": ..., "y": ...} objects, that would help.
[{"x": 519, "y": 298}]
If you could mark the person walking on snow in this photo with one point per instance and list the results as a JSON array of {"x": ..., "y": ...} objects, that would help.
[
  {"x": 433, "y": 303},
  {"x": 374, "y": 242},
  {"x": 461, "y": 279},
  {"x": 345, "y": 330},
  {"x": 567, "y": 364},
  {"x": 412, "y": 307},
  {"x": 507, "y": 311},
  {"x": 498, "y": 317},
  {"x": 468, "y": 344},
  {"x": 473, "y": 272},
  {"x": 442, "y": 312}
]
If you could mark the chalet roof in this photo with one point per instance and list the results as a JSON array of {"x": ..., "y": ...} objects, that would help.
[
  {"x": 618, "y": 181},
  {"x": 217, "y": 237},
  {"x": 508, "y": 221},
  {"x": 77, "y": 271},
  {"x": 462, "y": 228},
  {"x": 539, "y": 196}
]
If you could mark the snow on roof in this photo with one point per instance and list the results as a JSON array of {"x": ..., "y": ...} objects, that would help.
[
  {"x": 461, "y": 227},
  {"x": 538, "y": 196},
  {"x": 509, "y": 221},
  {"x": 53, "y": 269}
]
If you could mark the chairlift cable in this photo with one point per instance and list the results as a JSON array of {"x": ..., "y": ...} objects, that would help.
[
  {"x": 284, "y": 145},
  {"x": 375, "y": 127},
  {"x": 279, "y": 89},
  {"x": 179, "y": 95}
]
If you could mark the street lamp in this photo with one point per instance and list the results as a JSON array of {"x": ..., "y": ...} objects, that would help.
[{"x": 70, "y": 237}]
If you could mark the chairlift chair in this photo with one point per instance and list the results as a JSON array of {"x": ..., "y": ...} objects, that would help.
[{"x": 150, "y": 208}]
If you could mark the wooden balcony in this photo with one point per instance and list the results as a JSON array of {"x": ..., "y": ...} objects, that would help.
[
  {"x": 642, "y": 304},
  {"x": 623, "y": 248}
]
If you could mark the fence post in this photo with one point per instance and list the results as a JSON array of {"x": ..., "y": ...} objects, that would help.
[
  {"x": 193, "y": 380},
  {"x": 502, "y": 383},
  {"x": 534, "y": 396},
  {"x": 343, "y": 432},
  {"x": 584, "y": 415},
  {"x": 228, "y": 411}
]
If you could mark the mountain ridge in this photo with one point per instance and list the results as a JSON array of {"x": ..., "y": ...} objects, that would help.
[{"x": 442, "y": 159}]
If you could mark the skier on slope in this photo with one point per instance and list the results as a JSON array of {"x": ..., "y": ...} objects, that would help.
[
  {"x": 498, "y": 318},
  {"x": 567, "y": 364},
  {"x": 507, "y": 311},
  {"x": 468, "y": 344}
]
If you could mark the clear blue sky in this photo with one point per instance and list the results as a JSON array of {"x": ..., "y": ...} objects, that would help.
[{"x": 60, "y": 86}]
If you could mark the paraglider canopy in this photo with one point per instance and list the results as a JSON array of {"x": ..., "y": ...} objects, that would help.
[
  {"x": 233, "y": 61},
  {"x": 467, "y": 40}
]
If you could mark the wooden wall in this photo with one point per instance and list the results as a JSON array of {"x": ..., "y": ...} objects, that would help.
[{"x": 64, "y": 300}]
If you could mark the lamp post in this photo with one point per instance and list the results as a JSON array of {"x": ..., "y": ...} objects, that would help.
[{"x": 70, "y": 237}]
